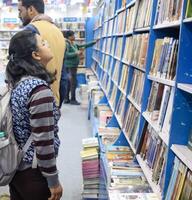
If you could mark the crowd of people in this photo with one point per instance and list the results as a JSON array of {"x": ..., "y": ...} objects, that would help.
[{"x": 42, "y": 72}]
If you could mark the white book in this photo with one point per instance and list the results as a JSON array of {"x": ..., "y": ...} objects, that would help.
[
  {"x": 167, "y": 120},
  {"x": 164, "y": 103}
]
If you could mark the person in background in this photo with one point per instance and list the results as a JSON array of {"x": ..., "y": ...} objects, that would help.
[
  {"x": 34, "y": 111},
  {"x": 31, "y": 13},
  {"x": 73, "y": 53}
]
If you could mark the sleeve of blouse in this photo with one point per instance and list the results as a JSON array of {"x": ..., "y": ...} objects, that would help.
[{"x": 42, "y": 128}]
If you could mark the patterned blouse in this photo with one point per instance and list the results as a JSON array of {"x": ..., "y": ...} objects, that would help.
[{"x": 35, "y": 112}]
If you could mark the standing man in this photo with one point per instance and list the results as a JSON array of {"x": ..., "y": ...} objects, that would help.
[{"x": 31, "y": 13}]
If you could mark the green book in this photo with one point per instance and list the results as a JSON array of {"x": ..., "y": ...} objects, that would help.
[{"x": 189, "y": 9}]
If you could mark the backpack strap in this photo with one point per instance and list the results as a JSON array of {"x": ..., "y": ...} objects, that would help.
[
  {"x": 25, "y": 148},
  {"x": 27, "y": 144}
]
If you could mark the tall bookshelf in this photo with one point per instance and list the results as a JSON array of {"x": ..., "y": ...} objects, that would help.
[
  {"x": 146, "y": 44},
  {"x": 9, "y": 25}
]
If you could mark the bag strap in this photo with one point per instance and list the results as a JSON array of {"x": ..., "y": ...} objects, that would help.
[
  {"x": 27, "y": 144},
  {"x": 25, "y": 148}
]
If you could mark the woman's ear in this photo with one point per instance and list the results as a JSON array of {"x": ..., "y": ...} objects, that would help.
[{"x": 36, "y": 56}]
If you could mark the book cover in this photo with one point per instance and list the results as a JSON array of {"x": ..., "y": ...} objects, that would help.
[{"x": 189, "y": 9}]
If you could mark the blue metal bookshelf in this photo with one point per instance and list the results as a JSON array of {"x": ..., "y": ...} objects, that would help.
[{"x": 181, "y": 120}]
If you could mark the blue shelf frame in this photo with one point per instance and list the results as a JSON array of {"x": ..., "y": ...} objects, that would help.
[{"x": 182, "y": 106}]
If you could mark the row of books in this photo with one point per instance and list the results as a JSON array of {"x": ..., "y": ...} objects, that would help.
[
  {"x": 90, "y": 167},
  {"x": 137, "y": 85},
  {"x": 143, "y": 13},
  {"x": 119, "y": 23},
  {"x": 120, "y": 108},
  {"x": 168, "y": 11},
  {"x": 97, "y": 33},
  {"x": 116, "y": 71},
  {"x": 112, "y": 95},
  {"x": 135, "y": 50},
  {"x": 105, "y": 62},
  {"x": 131, "y": 122},
  {"x": 154, "y": 153},
  {"x": 165, "y": 58},
  {"x": 124, "y": 78},
  {"x": 159, "y": 106},
  {"x": 119, "y": 46},
  {"x": 70, "y": 25},
  {"x": 109, "y": 9},
  {"x": 180, "y": 184}
]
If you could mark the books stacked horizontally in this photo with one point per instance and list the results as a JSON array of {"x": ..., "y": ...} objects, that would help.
[
  {"x": 108, "y": 134},
  {"x": 104, "y": 114},
  {"x": 90, "y": 168},
  {"x": 83, "y": 92},
  {"x": 132, "y": 196},
  {"x": 125, "y": 175}
]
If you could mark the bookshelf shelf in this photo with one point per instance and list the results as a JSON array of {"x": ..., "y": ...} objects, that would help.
[
  {"x": 118, "y": 34},
  {"x": 128, "y": 33},
  {"x": 117, "y": 58},
  {"x": 184, "y": 154},
  {"x": 5, "y": 39},
  {"x": 137, "y": 67},
  {"x": 119, "y": 121},
  {"x": 163, "y": 135},
  {"x": 148, "y": 175},
  {"x": 185, "y": 87},
  {"x": 131, "y": 3},
  {"x": 122, "y": 91},
  {"x": 120, "y": 10},
  {"x": 125, "y": 62},
  {"x": 134, "y": 103},
  {"x": 173, "y": 24},
  {"x": 144, "y": 29},
  {"x": 187, "y": 20},
  {"x": 115, "y": 82},
  {"x": 160, "y": 80}
]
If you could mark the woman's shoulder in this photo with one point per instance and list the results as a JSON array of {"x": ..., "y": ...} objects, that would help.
[{"x": 27, "y": 84}]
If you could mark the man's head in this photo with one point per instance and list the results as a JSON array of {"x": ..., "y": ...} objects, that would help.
[{"x": 28, "y": 9}]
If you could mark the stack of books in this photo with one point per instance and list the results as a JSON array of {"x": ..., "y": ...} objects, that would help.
[
  {"x": 108, "y": 134},
  {"x": 84, "y": 95},
  {"x": 90, "y": 168},
  {"x": 131, "y": 196},
  {"x": 125, "y": 179}
]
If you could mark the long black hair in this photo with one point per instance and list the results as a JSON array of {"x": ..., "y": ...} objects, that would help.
[{"x": 21, "y": 63}]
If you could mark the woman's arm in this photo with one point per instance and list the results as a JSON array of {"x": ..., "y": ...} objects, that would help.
[{"x": 42, "y": 129}]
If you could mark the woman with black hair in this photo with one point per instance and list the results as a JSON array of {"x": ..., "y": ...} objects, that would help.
[
  {"x": 34, "y": 112},
  {"x": 73, "y": 54}
]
